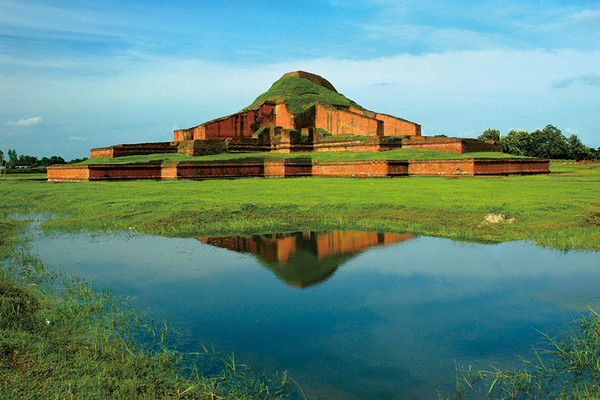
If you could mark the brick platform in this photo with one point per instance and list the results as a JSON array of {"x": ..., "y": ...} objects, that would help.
[{"x": 280, "y": 168}]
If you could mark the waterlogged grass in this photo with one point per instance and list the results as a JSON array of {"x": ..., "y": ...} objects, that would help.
[
  {"x": 396, "y": 154},
  {"x": 61, "y": 339},
  {"x": 564, "y": 367},
  {"x": 560, "y": 210}
]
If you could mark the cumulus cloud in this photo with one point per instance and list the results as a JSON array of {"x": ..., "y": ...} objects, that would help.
[{"x": 25, "y": 123}]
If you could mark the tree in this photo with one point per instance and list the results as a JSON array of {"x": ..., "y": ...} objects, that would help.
[
  {"x": 517, "y": 143},
  {"x": 549, "y": 143},
  {"x": 27, "y": 161},
  {"x": 490, "y": 134},
  {"x": 578, "y": 151},
  {"x": 13, "y": 158},
  {"x": 45, "y": 161},
  {"x": 1, "y": 158}
]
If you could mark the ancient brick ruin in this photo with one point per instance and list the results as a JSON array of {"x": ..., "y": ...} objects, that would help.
[{"x": 311, "y": 117}]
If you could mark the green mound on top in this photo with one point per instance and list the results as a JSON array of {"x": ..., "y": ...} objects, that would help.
[{"x": 300, "y": 90}]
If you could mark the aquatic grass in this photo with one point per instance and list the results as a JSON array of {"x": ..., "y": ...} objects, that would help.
[
  {"x": 566, "y": 366},
  {"x": 60, "y": 337}
]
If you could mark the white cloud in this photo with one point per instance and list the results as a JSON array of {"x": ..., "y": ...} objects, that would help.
[
  {"x": 585, "y": 18},
  {"x": 77, "y": 138},
  {"x": 25, "y": 123}
]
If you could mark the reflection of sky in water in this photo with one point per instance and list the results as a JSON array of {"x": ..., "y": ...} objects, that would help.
[{"x": 392, "y": 320}]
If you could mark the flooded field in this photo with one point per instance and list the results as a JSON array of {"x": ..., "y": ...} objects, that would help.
[{"x": 351, "y": 315}]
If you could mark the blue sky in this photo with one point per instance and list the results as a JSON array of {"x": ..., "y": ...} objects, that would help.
[{"x": 81, "y": 74}]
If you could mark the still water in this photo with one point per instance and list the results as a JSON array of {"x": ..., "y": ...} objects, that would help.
[{"x": 351, "y": 315}]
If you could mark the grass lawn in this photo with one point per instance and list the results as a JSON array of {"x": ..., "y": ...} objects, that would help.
[{"x": 561, "y": 210}]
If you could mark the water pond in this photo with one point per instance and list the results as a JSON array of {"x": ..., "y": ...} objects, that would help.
[{"x": 351, "y": 315}]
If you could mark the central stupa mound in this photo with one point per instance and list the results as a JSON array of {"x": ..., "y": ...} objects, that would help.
[
  {"x": 314, "y": 78},
  {"x": 301, "y": 90},
  {"x": 301, "y": 102}
]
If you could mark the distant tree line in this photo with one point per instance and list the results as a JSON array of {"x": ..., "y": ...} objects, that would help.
[
  {"x": 15, "y": 160},
  {"x": 546, "y": 143}
]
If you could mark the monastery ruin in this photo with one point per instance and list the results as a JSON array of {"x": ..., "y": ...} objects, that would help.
[{"x": 301, "y": 112}]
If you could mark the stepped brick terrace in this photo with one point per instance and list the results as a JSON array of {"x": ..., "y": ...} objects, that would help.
[{"x": 301, "y": 112}]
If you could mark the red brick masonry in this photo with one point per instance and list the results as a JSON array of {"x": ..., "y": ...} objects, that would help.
[{"x": 280, "y": 168}]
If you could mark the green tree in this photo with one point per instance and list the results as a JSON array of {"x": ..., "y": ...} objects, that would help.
[
  {"x": 1, "y": 158},
  {"x": 578, "y": 151},
  {"x": 45, "y": 161},
  {"x": 517, "y": 143},
  {"x": 549, "y": 143},
  {"x": 13, "y": 158},
  {"x": 490, "y": 134},
  {"x": 27, "y": 161}
]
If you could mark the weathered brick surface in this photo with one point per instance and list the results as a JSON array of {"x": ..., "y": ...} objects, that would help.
[
  {"x": 65, "y": 173},
  {"x": 242, "y": 124},
  {"x": 283, "y": 117},
  {"x": 169, "y": 171},
  {"x": 134, "y": 149},
  {"x": 351, "y": 168},
  {"x": 441, "y": 167},
  {"x": 216, "y": 170},
  {"x": 456, "y": 145},
  {"x": 398, "y": 167},
  {"x": 124, "y": 172},
  {"x": 275, "y": 168},
  {"x": 102, "y": 152},
  {"x": 343, "y": 122},
  {"x": 298, "y": 167},
  {"x": 393, "y": 126},
  {"x": 511, "y": 166}
]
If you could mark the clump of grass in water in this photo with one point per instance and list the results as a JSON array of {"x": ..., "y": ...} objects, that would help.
[
  {"x": 568, "y": 367},
  {"x": 61, "y": 338}
]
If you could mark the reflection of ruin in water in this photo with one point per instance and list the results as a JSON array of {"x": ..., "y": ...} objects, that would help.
[{"x": 303, "y": 259}]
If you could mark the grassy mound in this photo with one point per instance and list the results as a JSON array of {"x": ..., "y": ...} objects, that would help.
[{"x": 299, "y": 94}]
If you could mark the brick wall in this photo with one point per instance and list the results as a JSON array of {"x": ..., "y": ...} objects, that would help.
[
  {"x": 280, "y": 168},
  {"x": 67, "y": 173},
  {"x": 101, "y": 152},
  {"x": 240, "y": 169},
  {"x": 242, "y": 124},
  {"x": 283, "y": 117},
  {"x": 441, "y": 167},
  {"x": 343, "y": 122},
  {"x": 456, "y": 145},
  {"x": 393, "y": 126},
  {"x": 124, "y": 171},
  {"x": 352, "y": 168},
  {"x": 134, "y": 149},
  {"x": 511, "y": 166}
]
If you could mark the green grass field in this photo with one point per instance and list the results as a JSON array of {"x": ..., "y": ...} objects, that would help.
[{"x": 560, "y": 210}]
